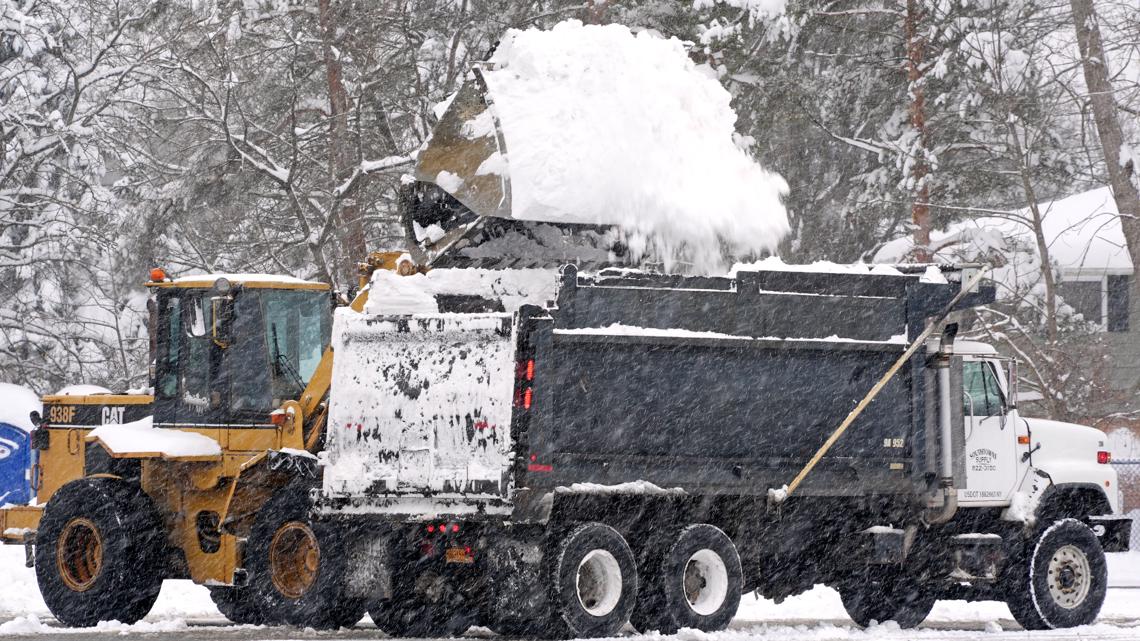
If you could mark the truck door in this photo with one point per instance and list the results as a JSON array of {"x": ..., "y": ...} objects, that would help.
[{"x": 991, "y": 438}]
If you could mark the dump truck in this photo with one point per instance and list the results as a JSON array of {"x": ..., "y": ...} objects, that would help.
[
  {"x": 631, "y": 451},
  {"x": 647, "y": 447}
]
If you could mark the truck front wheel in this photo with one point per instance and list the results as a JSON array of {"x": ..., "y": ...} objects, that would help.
[
  {"x": 594, "y": 582},
  {"x": 696, "y": 585},
  {"x": 1059, "y": 580},
  {"x": 99, "y": 553},
  {"x": 885, "y": 594}
]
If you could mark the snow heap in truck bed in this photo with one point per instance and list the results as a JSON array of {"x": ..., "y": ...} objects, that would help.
[
  {"x": 392, "y": 294},
  {"x": 603, "y": 126}
]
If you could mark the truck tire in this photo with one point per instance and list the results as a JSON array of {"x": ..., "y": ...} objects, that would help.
[
  {"x": 99, "y": 553},
  {"x": 594, "y": 583},
  {"x": 422, "y": 605},
  {"x": 297, "y": 567},
  {"x": 880, "y": 594},
  {"x": 238, "y": 605},
  {"x": 697, "y": 584},
  {"x": 1060, "y": 580}
]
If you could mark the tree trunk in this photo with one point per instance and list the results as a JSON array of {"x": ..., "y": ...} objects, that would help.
[
  {"x": 342, "y": 158},
  {"x": 920, "y": 208},
  {"x": 1051, "y": 331},
  {"x": 1108, "y": 130}
]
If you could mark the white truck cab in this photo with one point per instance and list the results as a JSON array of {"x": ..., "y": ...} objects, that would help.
[{"x": 1017, "y": 462}]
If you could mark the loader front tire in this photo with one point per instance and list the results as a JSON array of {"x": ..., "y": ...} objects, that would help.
[
  {"x": 298, "y": 567},
  {"x": 238, "y": 605},
  {"x": 99, "y": 553}
]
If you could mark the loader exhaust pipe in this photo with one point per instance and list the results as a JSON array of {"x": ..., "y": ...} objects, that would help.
[{"x": 942, "y": 361}]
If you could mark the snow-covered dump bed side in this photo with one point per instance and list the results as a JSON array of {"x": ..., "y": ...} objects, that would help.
[{"x": 419, "y": 420}]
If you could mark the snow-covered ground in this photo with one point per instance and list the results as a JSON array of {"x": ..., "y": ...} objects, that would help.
[{"x": 816, "y": 615}]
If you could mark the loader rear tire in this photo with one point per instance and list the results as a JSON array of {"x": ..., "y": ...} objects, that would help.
[
  {"x": 881, "y": 594},
  {"x": 1059, "y": 580},
  {"x": 298, "y": 568},
  {"x": 99, "y": 553}
]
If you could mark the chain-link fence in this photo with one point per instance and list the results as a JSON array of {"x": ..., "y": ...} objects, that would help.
[{"x": 1128, "y": 473}]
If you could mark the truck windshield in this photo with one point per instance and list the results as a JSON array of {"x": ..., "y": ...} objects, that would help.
[{"x": 296, "y": 333}]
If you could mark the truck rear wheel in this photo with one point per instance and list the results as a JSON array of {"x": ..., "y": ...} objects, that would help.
[
  {"x": 1061, "y": 579},
  {"x": 298, "y": 568},
  {"x": 885, "y": 594},
  {"x": 423, "y": 605},
  {"x": 99, "y": 553},
  {"x": 594, "y": 582},
  {"x": 697, "y": 584}
]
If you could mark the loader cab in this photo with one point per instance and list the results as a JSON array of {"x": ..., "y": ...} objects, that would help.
[{"x": 228, "y": 350}]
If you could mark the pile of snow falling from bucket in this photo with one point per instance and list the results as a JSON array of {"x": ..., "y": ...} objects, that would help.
[{"x": 604, "y": 126}]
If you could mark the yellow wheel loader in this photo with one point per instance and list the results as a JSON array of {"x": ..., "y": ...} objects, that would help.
[{"x": 206, "y": 479}]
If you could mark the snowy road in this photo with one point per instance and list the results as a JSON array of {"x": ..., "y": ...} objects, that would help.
[{"x": 184, "y": 613}]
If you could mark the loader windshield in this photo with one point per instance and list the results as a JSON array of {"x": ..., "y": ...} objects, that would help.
[{"x": 296, "y": 334}]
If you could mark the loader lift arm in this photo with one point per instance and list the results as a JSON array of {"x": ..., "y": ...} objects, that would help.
[{"x": 312, "y": 403}]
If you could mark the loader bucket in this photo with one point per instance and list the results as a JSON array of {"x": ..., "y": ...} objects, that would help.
[{"x": 466, "y": 156}]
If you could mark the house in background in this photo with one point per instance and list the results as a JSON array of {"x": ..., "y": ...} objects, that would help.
[{"x": 1091, "y": 262}]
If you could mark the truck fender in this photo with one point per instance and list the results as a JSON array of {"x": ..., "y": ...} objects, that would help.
[{"x": 1053, "y": 502}]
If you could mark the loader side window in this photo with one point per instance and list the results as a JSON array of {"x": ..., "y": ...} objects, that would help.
[
  {"x": 982, "y": 392},
  {"x": 170, "y": 347},
  {"x": 245, "y": 362},
  {"x": 296, "y": 334},
  {"x": 196, "y": 374}
]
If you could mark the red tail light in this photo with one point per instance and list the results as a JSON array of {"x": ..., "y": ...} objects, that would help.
[
  {"x": 1104, "y": 458},
  {"x": 524, "y": 377}
]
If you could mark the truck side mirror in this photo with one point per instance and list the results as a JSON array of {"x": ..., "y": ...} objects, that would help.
[
  {"x": 1011, "y": 385},
  {"x": 36, "y": 419}
]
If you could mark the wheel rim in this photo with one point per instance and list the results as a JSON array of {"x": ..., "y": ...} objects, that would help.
[
  {"x": 706, "y": 582},
  {"x": 1070, "y": 577},
  {"x": 294, "y": 559},
  {"x": 599, "y": 583},
  {"x": 79, "y": 554}
]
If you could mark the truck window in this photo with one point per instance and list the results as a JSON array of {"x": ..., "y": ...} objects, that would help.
[{"x": 982, "y": 394}]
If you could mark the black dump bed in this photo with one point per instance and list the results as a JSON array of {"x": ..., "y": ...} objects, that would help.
[{"x": 728, "y": 385}]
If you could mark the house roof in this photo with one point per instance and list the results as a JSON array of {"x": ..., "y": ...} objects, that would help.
[{"x": 1083, "y": 233}]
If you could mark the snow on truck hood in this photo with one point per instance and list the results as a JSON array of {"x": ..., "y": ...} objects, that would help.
[{"x": 604, "y": 126}]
